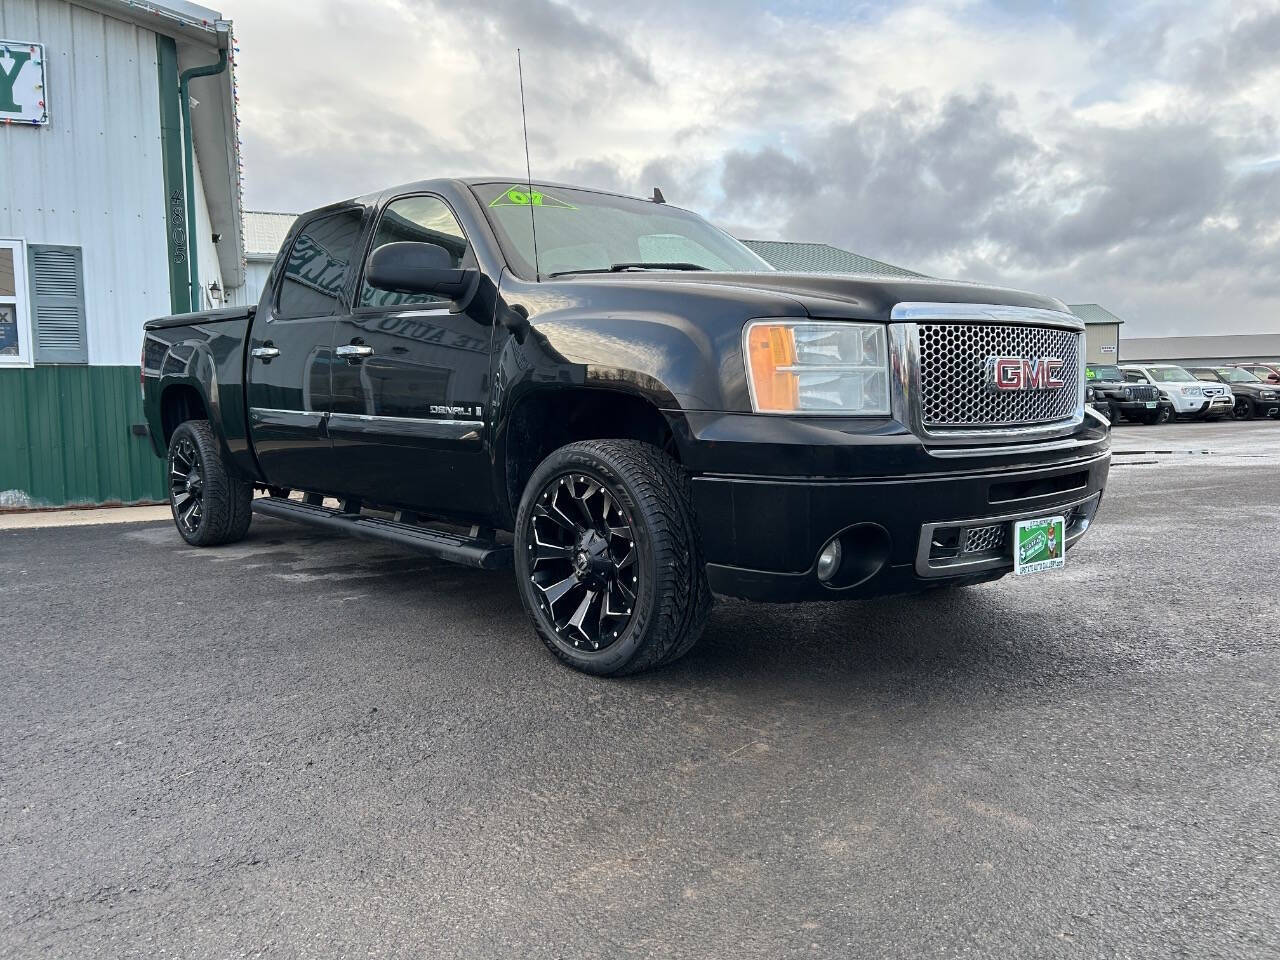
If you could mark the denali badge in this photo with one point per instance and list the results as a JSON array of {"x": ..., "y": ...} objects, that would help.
[{"x": 1019, "y": 373}]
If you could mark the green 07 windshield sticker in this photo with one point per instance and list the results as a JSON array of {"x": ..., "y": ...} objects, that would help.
[
  {"x": 518, "y": 196},
  {"x": 1039, "y": 545}
]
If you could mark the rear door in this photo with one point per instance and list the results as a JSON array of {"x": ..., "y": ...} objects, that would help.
[
  {"x": 411, "y": 382},
  {"x": 291, "y": 353}
]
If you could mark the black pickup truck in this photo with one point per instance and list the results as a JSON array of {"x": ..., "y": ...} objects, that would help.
[{"x": 630, "y": 408}]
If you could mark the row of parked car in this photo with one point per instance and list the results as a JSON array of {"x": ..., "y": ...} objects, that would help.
[{"x": 1160, "y": 392}]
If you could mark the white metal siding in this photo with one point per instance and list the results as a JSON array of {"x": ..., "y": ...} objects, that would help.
[
  {"x": 92, "y": 178},
  {"x": 255, "y": 280},
  {"x": 206, "y": 252}
]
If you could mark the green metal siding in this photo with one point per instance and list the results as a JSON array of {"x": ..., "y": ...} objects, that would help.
[{"x": 65, "y": 438}]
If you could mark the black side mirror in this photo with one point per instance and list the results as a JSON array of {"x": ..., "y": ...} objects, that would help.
[{"x": 409, "y": 267}]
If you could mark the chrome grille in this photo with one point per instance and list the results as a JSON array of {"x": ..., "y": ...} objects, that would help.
[{"x": 953, "y": 374}]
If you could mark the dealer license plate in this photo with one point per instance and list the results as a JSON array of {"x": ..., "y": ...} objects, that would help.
[
  {"x": 1039, "y": 545},
  {"x": 1151, "y": 404}
]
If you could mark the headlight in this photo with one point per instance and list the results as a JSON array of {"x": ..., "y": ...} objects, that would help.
[
  {"x": 817, "y": 367},
  {"x": 1126, "y": 393},
  {"x": 1089, "y": 393},
  {"x": 1193, "y": 391},
  {"x": 1267, "y": 395}
]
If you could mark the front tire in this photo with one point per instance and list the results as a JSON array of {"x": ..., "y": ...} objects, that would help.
[
  {"x": 608, "y": 561},
  {"x": 1164, "y": 415},
  {"x": 210, "y": 506},
  {"x": 1243, "y": 409}
]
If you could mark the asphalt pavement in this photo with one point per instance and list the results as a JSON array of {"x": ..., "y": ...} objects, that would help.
[{"x": 308, "y": 746}]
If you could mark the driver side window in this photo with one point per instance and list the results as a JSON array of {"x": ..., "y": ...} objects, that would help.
[
  {"x": 422, "y": 220},
  {"x": 1133, "y": 376}
]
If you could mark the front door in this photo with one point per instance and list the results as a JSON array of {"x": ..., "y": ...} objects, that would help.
[
  {"x": 411, "y": 384},
  {"x": 291, "y": 354}
]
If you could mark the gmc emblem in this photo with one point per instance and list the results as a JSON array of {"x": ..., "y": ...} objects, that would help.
[{"x": 1019, "y": 373}]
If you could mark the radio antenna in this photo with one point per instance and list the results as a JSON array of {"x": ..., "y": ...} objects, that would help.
[{"x": 528, "y": 169}]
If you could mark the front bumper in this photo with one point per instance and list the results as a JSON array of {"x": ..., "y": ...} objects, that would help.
[
  {"x": 1135, "y": 407},
  {"x": 762, "y": 535}
]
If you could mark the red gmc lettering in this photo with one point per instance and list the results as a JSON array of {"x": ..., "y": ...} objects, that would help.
[{"x": 1018, "y": 373}]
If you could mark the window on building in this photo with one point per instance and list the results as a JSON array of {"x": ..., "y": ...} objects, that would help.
[
  {"x": 15, "y": 349},
  {"x": 319, "y": 262},
  {"x": 420, "y": 219}
]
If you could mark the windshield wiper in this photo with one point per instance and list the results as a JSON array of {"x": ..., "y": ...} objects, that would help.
[{"x": 623, "y": 267}]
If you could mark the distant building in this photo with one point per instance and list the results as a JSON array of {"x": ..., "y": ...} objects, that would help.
[
  {"x": 822, "y": 258},
  {"x": 1227, "y": 348},
  {"x": 1101, "y": 332}
]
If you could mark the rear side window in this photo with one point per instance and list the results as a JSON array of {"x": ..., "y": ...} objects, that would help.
[
  {"x": 419, "y": 219},
  {"x": 318, "y": 266}
]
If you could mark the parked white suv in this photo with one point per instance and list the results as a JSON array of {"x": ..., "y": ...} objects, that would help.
[{"x": 1186, "y": 396}]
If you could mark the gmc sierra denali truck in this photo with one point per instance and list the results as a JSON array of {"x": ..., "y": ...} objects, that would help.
[{"x": 629, "y": 408}]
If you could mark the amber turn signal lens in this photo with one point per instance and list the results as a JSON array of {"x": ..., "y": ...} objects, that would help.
[{"x": 770, "y": 347}]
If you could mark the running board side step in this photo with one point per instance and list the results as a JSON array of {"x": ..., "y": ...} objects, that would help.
[{"x": 467, "y": 551}]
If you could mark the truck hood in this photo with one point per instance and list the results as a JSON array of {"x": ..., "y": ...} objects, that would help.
[{"x": 838, "y": 296}]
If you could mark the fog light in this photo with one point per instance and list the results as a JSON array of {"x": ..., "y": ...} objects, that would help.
[{"x": 829, "y": 560}]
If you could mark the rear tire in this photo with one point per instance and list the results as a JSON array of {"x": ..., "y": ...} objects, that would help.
[
  {"x": 607, "y": 556},
  {"x": 210, "y": 506}
]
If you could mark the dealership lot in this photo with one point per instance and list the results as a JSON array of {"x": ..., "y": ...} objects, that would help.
[{"x": 313, "y": 746}]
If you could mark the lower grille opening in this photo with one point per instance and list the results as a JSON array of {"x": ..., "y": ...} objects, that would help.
[{"x": 987, "y": 543}]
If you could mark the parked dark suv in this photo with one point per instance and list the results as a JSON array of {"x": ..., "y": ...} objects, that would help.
[
  {"x": 1253, "y": 397},
  {"x": 1120, "y": 401}
]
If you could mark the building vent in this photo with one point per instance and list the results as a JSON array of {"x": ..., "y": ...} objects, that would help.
[{"x": 57, "y": 303}]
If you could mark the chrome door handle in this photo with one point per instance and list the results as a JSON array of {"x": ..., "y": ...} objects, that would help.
[
  {"x": 265, "y": 353},
  {"x": 354, "y": 351}
]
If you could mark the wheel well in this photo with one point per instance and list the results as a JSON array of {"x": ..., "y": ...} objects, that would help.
[
  {"x": 549, "y": 419},
  {"x": 178, "y": 404}
]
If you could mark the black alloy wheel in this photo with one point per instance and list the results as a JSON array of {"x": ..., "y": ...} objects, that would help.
[
  {"x": 1243, "y": 409},
  {"x": 608, "y": 560},
  {"x": 210, "y": 504},
  {"x": 186, "y": 486},
  {"x": 582, "y": 554}
]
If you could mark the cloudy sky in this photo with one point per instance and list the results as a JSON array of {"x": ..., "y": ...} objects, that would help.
[{"x": 1120, "y": 152}]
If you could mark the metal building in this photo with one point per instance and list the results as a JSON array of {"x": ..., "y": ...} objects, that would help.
[
  {"x": 1101, "y": 332},
  {"x": 264, "y": 234},
  {"x": 1209, "y": 348},
  {"x": 120, "y": 200}
]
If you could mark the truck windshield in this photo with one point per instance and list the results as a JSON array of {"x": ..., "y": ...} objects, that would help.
[
  {"x": 1099, "y": 371},
  {"x": 584, "y": 231}
]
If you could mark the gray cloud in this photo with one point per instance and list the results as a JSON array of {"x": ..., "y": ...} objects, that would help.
[
  {"x": 553, "y": 29},
  {"x": 1233, "y": 58},
  {"x": 904, "y": 176}
]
